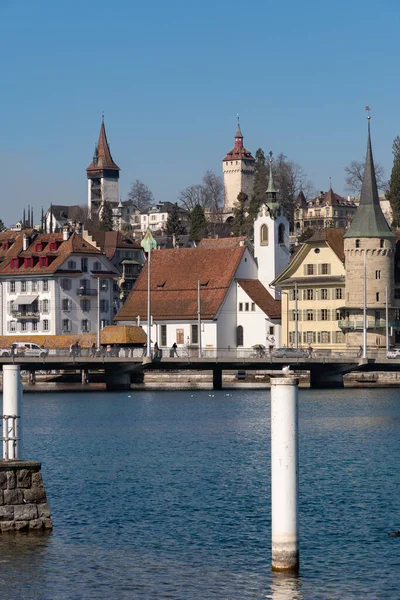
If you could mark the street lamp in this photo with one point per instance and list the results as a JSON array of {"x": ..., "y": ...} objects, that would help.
[
  {"x": 148, "y": 244},
  {"x": 103, "y": 287}
]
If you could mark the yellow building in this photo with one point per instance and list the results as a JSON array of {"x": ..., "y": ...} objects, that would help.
[{"x": 317, "y": 273}]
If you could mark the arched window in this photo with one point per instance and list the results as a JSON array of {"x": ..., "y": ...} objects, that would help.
[
  {"x": 382, "y": 244},
  {"x": 281, "y": 234},
  {"x": 239, "y": 336},
  {"x": 264, "y": 235},
  {"x": 357, "y": 243}
]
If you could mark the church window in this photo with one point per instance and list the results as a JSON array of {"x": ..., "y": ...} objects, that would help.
[
  {"x": 194, "y": 334},
  {"x": 240, "y": 306},
  {"x": 357, "y": 243},
  {"x": 382, "y": 243},
  {"x": 377, "y": 274},
  {"x": 264, "y": 236},
  {"x": 246, "y": 306},
  {"x": 281, "y": 234},
  {"x": 253, "y": 306},
  {"x": 239, "y": 336}
]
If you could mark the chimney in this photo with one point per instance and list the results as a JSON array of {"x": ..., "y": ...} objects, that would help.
[
  {"x": 25, "y": 243},
  {"x": 66, "y": 233}
]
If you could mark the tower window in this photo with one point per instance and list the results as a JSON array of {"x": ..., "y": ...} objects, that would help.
[
  {"x": 357, "y": 243},
  {"x": 377, "y": 296},
  {"x": 377, "y": 274},
  {"x": 239, "y": 336},
  {"x": 382, "y": 243},
  {"x": 281, "y": 234},
  {"x": 264, "y": 236}
]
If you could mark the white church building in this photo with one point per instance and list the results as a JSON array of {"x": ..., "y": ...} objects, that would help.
[{"x": 221, "y": 285}]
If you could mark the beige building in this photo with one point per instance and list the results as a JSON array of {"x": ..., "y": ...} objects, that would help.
[
  {"x": 326, "y": 210},
  {"x": 238, "y": 170},
  {"x": 317, "y": 273}
]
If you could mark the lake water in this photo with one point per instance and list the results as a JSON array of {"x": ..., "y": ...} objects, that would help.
[{"x": 166, "y": 495}]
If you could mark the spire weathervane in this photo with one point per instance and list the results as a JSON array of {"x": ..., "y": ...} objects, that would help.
[
  {"x": 367, "y": 108},
  {"x": 270, "y": 156}
]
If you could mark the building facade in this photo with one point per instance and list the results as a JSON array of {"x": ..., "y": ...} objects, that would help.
[
  {"x": 54, "y": 284},
  {"x": 326, "y": 210}
]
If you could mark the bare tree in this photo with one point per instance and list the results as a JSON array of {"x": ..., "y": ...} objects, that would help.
[
  {"x": 192, "y": 196},
  {"x": 141, "y": 196},
  {"x": 354, "y": 176}
]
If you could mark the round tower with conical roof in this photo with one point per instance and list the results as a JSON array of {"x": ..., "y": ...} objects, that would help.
[
  {"x": 102, "y": 174},
  {"x": 369, "y": 247},
  {"x": 238, "y": 170}
]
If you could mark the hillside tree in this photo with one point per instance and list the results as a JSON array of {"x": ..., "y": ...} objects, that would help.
[
  {"x": 174, "y": 224},
  {"x": 141, "y": 196},
  {"x": 393, "y": 193},
  {"x": 355, "y": 173},
  {"x": 240, "y": 213},
  {"x": 106, "y": 217},
  {"x": 198, "y": 224}
]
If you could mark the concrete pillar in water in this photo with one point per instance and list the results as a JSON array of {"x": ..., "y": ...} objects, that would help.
[
  {"x": 284, "y": 473},
  {"x": 217, "y": 379},
  {"x": 12, "y": 412},
  {"x": 32, "y": 377},
  {"x": 85, "y": 376}
]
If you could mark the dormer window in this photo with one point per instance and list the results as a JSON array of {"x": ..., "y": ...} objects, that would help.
[
  {"x": 43, "y": 261},
  {"x": 53, "y": 245},
  {"x": 5, "y": 246},
  {"x": 28, "y": 262},
  {"x": 38, "y": 247},
  {"x": 14, "y": 263}
]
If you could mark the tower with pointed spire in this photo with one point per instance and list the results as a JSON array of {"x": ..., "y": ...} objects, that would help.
[
  {"x": 102, "y": 174},
  {"x": 238, "y": 170},
  {"x": 369, "y": 247},
  {"x": 271, "y": 237}
]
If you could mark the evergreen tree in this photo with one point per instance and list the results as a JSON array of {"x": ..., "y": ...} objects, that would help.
[
  {"x": 174, "y": 223},
  {"x": 2, "y": 226},
  {"x": 240, "y": 213},
  {"x": 254, "y": 207},
  {"x": 393, "y": 194},
  {"x": 260, "y": 178},
  {"x": 106, "y": 217},
  {"x": 198, "y": 224}
]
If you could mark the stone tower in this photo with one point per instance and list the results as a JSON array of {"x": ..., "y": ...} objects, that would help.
[
  {"x": 102, "y": 174},
  {"x": 238, "y": 170},
  {"x": 271, "y": 238},
  {"x": 369, "y": 247}
]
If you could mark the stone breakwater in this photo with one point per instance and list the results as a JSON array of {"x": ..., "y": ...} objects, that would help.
[{"x": 23, "y": 502}]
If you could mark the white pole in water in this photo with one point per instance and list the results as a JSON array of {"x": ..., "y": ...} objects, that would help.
[
  {"x": 12, "y": 407},
  {"x": 284, "y": 473}
]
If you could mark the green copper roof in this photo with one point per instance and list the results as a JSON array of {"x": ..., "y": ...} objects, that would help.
[
  {"x": 271, "y": 186},
  {"x": 369, "y": 221},
  {"x": 148, "y": 242}
]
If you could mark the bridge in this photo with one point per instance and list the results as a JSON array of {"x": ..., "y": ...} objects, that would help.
[{"x": 119, "y": 371}]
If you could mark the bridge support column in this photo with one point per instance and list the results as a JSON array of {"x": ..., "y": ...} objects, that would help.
[
  {"x": 32, "y": 377},
  {"x": 326, "y": 378},
  {"x": 12, "y": 412},
  {"x": 118, "y": 381},
  {"x": 85, "y": 376},
  {"x": 217, "y": 379}
]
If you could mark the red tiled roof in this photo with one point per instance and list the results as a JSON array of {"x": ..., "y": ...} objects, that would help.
[
  {"x": 261, "y": 296},
  {"x": 104, "y": 158},
  {"x": 111, "y": 241},
  {"x": 174, "y": 277},
  {"x": 75, "y": 244},
  {"x": 230, "y": 242},
  {"x": 239, "y": 154}
]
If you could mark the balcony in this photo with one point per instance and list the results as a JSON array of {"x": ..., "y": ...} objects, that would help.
[
  {"x": 86, "y": 292},
  {"x": 25, "y": 314},
  {"x": 354, "y": 325}
]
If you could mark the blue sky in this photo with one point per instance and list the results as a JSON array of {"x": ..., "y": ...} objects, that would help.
[{"x": 171, "y": 77}]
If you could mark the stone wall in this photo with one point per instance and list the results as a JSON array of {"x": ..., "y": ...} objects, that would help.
[{"x": 23, "y": 503}]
